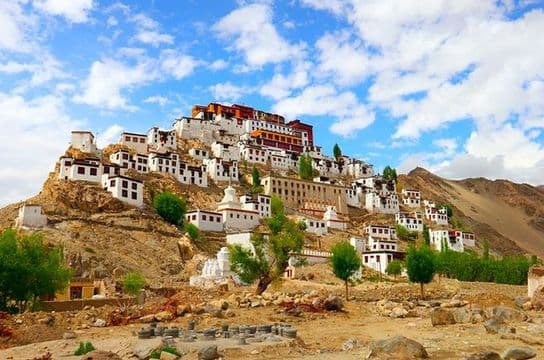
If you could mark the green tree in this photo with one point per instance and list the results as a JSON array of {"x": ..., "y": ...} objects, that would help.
[
  {"x": 404, "y": 234},
  {"x": 133, "y": 283},
  {"x": 485, "y": 251},
  {"x": 170, "y": 207},
  {"x": 449, "y": 211},
  {"x": 305, "y": 169},
  {"x": 269, "y": 258},
  {"x": 29, "y": 270},
  {"x": 337, "y": 152},
  {"x": 389, "y": 173},
  {"x": 426, "y": 235},
  {"x": 345, "y": 262},
  {"x": 256, "y": 180},
  {"x": 420, "y": 265},
  {"x": 394, "y": 268}
]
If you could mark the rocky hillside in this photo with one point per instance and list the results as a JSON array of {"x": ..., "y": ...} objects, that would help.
[
  {"x": 112, "y": 237},
  {"x": 510, "y": 216}
]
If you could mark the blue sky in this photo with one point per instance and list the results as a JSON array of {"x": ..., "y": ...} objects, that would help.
[{"x": 456, "y": 86}]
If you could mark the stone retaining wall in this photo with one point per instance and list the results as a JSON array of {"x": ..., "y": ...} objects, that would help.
[{"x": 71, "y": 305}]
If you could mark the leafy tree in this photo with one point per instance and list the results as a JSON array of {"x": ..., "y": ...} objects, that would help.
[
  {"x": 256, "y": 180},
  {"x": 389, "y": 173},
  {"x": 345, "y": 262},
  {"x": 170, "y": 207},
  {"x": 192, "y": 231},
  {"x": 426, "y": 235},
  {"x": 84, "y": 348},
  {"x": 404, "y": 234},
  {"x": 305, "y": 169},
  {"x": 29, "y": 270},
  {"x": 302, "y": 225},
  {"x": 420, "y": 265},
  {"x": 133, "y": 283},
  {"x": 449, "y": 210},
  {"x": 485, "y": 252},
  {"x": 337, "y": 152},
  {"x": 270, "y": 257},
  {"x": 394, "y": 268}
]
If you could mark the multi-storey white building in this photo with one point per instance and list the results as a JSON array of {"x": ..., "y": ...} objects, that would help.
[
  {"x": 195, "y": 128},
  {"x": 437, "y": 215},
  {"x": 205, "y": 220},
  {"x": 125, "y": 160},
  {"x": 84, "y": 141},
  {"x": 358, "y": 244},
  {"x": 136, "y": 142},
  {"x": 89, "y": 169},
  {"x": 332, "y": 220},
  {"x": 30, "y": 217},
  {"x": 193, "y": 175},
  {"x": 226, "y": 152},
  {"x": 447, "y": 239},
  {"x": 358, "y": 168},
  {"x": 283, "y": 161},
  {"x": 411, "y": 221},
  {"x": 220, "y": 170},
  {"x": 318, "y": 227},
  {"x": 260, "y": 203},
  {"x": 380, "y": 232},
  {"x": 411, "y": 198},
  {"x": 161, "y": 141},
  {"x": 167, "y": 163},
  {"x": 254, "y": 154},
  {"x": 128, "y": 190},
  {"x": 383, "y": 203},
  {"x": 199, "y": 154},
  {"x": 234, "y": 216}
]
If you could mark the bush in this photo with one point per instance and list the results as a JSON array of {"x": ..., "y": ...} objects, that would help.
[
  {"x": 29, "y": 269},
  {"x": 345, "y": 262},
  {"x": 394, "y": 268},
  {"x": 302, "y": 225},
  {"x": 192, "y": 231},
  {"x": 168, "y": 349},
  {"x": 389, "y": 173},
  {"x": 170, "y": 207},
  {"x": 133, "y": 283},
  {"x": 84, "y": 348},
  {"x": 404, "y": 234}
]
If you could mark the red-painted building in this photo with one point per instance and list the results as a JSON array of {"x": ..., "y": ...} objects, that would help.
[{"x": 300, "y": 127}]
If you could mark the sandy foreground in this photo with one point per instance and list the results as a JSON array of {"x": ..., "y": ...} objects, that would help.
[{"x": 320, "y": 335}]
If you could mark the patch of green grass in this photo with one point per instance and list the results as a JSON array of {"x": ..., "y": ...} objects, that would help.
[{"x": 84, "y": 348}]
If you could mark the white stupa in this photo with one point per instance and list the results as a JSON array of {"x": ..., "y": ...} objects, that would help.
[
  {"x": 230, "y": 200},
  {"x": 215, "y": 271}
]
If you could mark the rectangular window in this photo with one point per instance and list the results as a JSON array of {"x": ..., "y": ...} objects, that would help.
[
  {"x": 124, "y": 193},
  {"x": 134, "y": 186},
  {"x": 124, "y": 184},
  {"x": 112, "y": 183},
  {"x": 93, "y": 172},
  {"x": 134, "y": 195},
  {"x": 81, "y": 170},
  {"x": 204, "y": 217}
]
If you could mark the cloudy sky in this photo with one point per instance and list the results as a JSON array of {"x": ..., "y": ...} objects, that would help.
[{"x": 456, "y": 86}]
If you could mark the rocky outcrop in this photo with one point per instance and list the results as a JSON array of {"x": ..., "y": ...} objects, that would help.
[{"x": 397, "y": 347}]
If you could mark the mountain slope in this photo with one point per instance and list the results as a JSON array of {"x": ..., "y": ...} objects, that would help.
[{"x": 510, "y": 216}]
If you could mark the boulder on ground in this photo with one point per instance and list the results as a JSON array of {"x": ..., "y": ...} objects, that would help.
[
  {"x": 69, "y": 335},
  {"x": 350, "y": 344},
  {"x": 498, "y": 326},
  {"x": 99, "y": 323},
  {"x": 208, "y": 353},
  {"x": 484, "y": 355},
  {"x": 519, "y": 353},
  {"x": 143, "y": 349},
  {"x": 397, "y": 347},
  {"x": 537, "y": 301},
  {"x": 398, "y": 312},
  {"x": 168, "y": 356},
  {"x": 507, "y": 314},
  {"x": 164, "y": 316},
  {"x": 442, "y": 316},
  {"x": 461, "y": 315},
  {"x": 333, "y": 303},
  {"x": 101, "y": 355}
]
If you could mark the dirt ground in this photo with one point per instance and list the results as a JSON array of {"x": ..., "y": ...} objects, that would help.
[{"x": 321, "y": 335}]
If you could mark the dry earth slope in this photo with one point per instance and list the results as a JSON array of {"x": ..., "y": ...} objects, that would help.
[{"x": 509, "y": 215}]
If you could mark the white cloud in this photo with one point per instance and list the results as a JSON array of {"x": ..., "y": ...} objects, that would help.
[
  {"x": 108, "y": 78},
  {"x": 34, "y": 133},
  {"x": 148, "y": 31},
  {"x": 157, "y": 99},
  {"x": 252, "y": 32},
  {"x": 345, "y": 61},
  {"x": 335, "y": 6},
  {"x": 228, "y": 92},
  {"x": 447, "y": 145},
  {"x": 109, "y": 136},
  {"x": 177, "y": 64},
  {"x": 219, "y": 64},
  {"x": 112, "y": 21},
  {"x": 280, "y": 86},
  {"x": 14, "y": 24},
  {"x": 350, "y": 115},
  {"x": 76, "y": 11}
]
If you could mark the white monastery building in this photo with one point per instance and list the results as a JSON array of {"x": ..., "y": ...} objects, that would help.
[
  {"x": 411, "y": 198},
  {"x": 205, "y": 220},
  {"x": 136, "y": 142},
  {"x": 128, "y": 190},
  {"x": 220, "y": 170},
  {"x": 411, "y": 221},
  {"x": 234, "y": 216},
  {"x": 84, "y": 141},
  {"x": 30, "y": 217},
  {"x": 161, "y": 140},
  {"x": 432, "y": 213}
]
